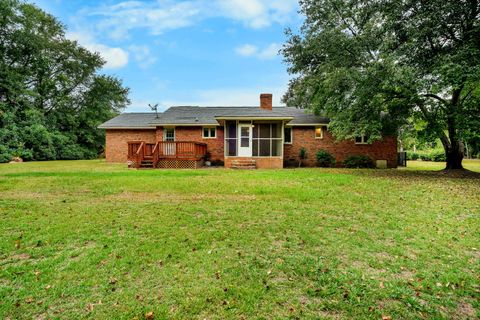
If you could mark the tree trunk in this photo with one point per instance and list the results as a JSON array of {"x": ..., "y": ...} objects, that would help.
[
  {"x": 454, "y": 156},
  {"x": 453, "y": 150}
]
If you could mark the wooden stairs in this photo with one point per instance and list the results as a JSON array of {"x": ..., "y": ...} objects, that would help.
[
  {"x": 244, "y": 164},
  {"x": 146, "y": 164}
]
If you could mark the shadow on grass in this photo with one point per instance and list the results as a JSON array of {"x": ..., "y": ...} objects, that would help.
[{"x": 133, "y": 173}]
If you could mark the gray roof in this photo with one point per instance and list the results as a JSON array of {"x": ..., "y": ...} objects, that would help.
[
  {"x": 191, "y": 115},
  {"x": 130, "y": 120}
]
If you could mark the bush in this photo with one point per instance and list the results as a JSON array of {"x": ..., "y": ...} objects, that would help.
[
  {"x": 359, "y": 161},
  {"x": 438, "y": 156},
  {"x": 325, "y": 159},
  {"x": 412, "y": 155},
  {"x": 425, "y": 156}
]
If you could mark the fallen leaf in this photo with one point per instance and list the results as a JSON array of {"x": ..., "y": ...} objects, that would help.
[
  {"x": 90, "y": 307},
  {"x": 386, "y": 317},
  {"x": 149, "y": 315}
]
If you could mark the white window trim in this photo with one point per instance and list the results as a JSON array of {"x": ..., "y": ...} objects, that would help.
[
  {"x": 209, "y": 128},
  {"x": 315, "y": 132},
  {"x": 291, "y": 135},
  {"x": 165, "y": 133},
  {"x": 362, "y": 138}
]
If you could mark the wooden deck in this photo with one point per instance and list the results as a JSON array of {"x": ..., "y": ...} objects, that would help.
[{"x": 166, "y": 154}]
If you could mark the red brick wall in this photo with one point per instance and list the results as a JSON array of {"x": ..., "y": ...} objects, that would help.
[
  {"x": 116, "y": 142},
  {"x": 214, "y": 145},
  {"x": 385, "y": 149}
]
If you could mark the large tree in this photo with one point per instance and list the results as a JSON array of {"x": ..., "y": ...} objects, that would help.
[
  {"x": 51, "y": 96},
  {"x": 372, "y": 64}
]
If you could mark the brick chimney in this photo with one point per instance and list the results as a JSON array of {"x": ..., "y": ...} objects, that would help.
[{"x": 266, "y": 101}]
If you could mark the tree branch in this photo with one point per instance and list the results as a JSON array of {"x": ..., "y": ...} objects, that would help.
[{"x": 431, "y": 95}]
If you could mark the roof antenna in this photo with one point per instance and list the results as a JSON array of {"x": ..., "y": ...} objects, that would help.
[{"x": 154, "y": 108}]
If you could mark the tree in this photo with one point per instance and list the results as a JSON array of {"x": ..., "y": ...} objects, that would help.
[
  {"x": 372, "y": 65},
  {"x": 51, "y": 97}
]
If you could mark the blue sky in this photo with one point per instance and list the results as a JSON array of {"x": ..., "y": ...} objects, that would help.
[{"x": 190, "y": 52}]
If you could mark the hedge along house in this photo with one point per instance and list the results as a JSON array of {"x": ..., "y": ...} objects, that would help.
[{"x": 250, "y": 137}]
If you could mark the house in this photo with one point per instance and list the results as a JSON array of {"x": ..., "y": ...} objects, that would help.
[{"x": 252, "y": 137}]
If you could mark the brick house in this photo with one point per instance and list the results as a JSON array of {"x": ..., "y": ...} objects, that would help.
[{"x": 261, "y": 137}]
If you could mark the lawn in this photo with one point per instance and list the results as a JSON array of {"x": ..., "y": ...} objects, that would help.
[{"x": 87, "y": 239}]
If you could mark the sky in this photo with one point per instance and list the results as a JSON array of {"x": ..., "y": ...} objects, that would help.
[{"x": 189, "y": 52}]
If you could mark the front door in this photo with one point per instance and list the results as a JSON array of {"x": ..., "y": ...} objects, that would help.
[{"x": 245, "y": 135}]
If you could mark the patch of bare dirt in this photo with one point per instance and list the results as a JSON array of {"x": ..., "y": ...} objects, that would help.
[
  {"x": 21, "y": 256},
  {"x": 465, "y": 310},
  {"x": 172, "y": 197}
]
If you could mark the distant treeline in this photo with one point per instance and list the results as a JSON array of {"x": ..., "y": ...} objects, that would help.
[{"x": 51, "y": 96}]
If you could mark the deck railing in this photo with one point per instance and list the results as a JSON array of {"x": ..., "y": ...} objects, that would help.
[{"x": 185, "y": 150}]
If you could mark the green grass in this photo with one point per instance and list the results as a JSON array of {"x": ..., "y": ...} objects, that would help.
[
  {"x": 473, "y": 165},
  {"x": 87, "y": 239}
]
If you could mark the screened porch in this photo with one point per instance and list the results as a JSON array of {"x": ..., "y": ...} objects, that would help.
[{"x": 254, "y": 138}]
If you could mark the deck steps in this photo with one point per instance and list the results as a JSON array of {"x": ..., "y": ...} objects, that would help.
[
  {"x": 146, "y": 164},
  {"x": 244, "y": 164}
]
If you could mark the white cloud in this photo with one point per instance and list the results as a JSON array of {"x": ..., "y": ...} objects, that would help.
[
  {"x": 253, "y": 13},
  {"x": 114, "y": 57},
  {"x": 270, "y": 52},
  {"x": 249, "y": 50},
  {"x": 142, "y": 55},
  {"x": 162, "y": 15}
]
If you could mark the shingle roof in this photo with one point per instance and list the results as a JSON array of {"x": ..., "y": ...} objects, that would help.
[
  {"x": 130, "y": 120},
  {"x": 191, "y": 115}
]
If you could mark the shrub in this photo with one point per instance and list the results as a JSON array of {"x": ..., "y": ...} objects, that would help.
[
  {"x": 425, "y": 156},
  {"x": 302, "y": 155},
  {"x": 359, "y": 161},
  {"x": 325, "y": 159},
  {"x": 412, "y": 155},
  {"x": 438, "y": 156}
]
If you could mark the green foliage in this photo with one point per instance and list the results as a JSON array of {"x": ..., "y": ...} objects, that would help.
[
  {"x": 358, "y": 161},
  {"x": 371, "y": 66},
  {"x": 303, "y": 153},
  {"x": 51, "y": 97},
  {"x": 436, "y": 155},
  {"x": 412, "y": 155},
  {"x": 325, "y": 159}
]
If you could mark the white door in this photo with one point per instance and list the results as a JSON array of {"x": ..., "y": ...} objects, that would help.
[
  {"x": 245, "y": 137},
  {"x": 169, "y": 144}
]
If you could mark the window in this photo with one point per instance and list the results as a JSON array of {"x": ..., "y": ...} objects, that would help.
[
  {"x": 361, "y": 139},
  {"x": 209, "y": 133},
  {"x": 287, "y": 134},
  {"x": 319, "y": 133},
  {"x": 169, "y": 134}
]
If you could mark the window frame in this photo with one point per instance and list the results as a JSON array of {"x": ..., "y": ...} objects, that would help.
[
  {"x": 165, "y": 134},
  {"x": 291, "y": 135},
  {"x": 321, "y": 132},
  {"x": 209, "y": 132},
  {"x": 363, "y": 139}
]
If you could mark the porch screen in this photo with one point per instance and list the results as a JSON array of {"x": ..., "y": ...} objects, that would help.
[
  {"x": 231, "y": 138},
  {"x": 267, "y": 140}
]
